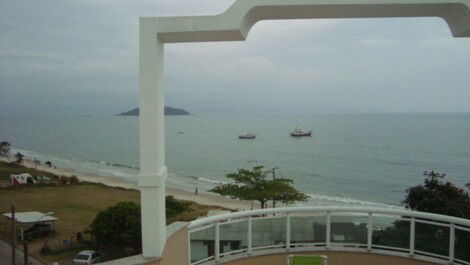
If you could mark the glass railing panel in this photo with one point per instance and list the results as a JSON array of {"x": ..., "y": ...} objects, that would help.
[
  {"x": 269, "y": 231},
  {"x": 308, "y": 229},
  {"x": 462, "y": 245},
  {"x": 233, "y": 236},
  {"x": 202, "y": 243},
  {"x": 432, "y": 238},
  {"x": 391, "y": 232},
  {"x": 348, "y": 229}
]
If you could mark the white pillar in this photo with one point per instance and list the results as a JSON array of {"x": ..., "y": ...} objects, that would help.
[
  {"x": 369, "y": 232},
  {"x": 152, "y": 141},
  {"x": 412, "y": 236},
  {"x": 328, "y": 230},
  {"x": 288, "y": 231},
  {"x": 452, "y": 243},
  {"x": 217, "y": 241},
  {"x": 249, "y": 242}
]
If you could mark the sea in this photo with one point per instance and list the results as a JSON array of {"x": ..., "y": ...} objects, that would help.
[{"x": 351, "y": 159}]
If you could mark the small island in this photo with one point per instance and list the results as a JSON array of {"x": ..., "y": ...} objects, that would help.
[{"x": 168, "y": 111}]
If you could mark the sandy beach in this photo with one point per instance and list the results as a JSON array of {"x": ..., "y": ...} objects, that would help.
[{"x": 202, "y": 197}]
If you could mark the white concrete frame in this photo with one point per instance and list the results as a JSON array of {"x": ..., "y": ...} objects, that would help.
[{"x": 234, "y": 25}]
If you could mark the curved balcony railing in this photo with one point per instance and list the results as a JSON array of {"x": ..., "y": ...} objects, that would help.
[{"x": 419, "y": 235}]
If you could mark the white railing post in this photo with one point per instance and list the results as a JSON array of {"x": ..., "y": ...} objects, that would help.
[
  {"x": 217, "y": 241},
  {"x": 412, "y": 236},
  {"x": 369, "y": 232},
  {"x": 451, "y": 243},
  {"x": 189, "y": 247},
  {"x": 249, "y": 236},
  {"x": 328, "y": 229},
  {"x": 288, "y": 231}
]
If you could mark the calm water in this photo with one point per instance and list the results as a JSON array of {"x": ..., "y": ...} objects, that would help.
[{"x": 351, "y": 159}]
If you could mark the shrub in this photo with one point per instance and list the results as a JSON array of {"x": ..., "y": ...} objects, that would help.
[
  {"x": 63, "y": 180},
  {"x": 174, "y": 207},
  {"x": 73, "y": 179}
]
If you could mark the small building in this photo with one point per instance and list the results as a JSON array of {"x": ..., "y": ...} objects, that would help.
[{"x": 44, "y": 224}]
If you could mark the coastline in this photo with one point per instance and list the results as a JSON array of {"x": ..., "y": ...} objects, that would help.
[
  {"x": 183, "y": 192},
  {"x": 203, "y": 198}
]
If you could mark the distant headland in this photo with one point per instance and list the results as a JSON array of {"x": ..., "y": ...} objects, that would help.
[{"x": 168, "y": 111}]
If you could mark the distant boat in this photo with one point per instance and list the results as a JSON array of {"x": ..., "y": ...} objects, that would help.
[
  {"x": 299, "y": 132},
  {"x": 247, "y": 136}
]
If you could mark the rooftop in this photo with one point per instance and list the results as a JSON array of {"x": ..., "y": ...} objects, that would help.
[{"x": 30, "y": 217}]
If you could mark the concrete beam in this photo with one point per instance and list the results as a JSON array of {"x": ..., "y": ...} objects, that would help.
[{"x": 235, "y": 23}]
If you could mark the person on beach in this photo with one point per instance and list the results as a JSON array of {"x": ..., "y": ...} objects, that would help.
[{"x": 196, "y": 192}]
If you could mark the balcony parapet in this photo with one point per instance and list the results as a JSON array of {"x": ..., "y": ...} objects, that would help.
[{"x": 403, "y": 233}]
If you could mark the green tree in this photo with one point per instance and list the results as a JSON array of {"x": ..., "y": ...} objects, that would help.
[
  {"x": 434, "y": 196},
  {"x": 254, "y": 185},
  {"x": 19, "y": 158},
  {"x": 118, "y": 225},
  {"x": 5, "y": 148},
  {"x": 281, "y": 189}
]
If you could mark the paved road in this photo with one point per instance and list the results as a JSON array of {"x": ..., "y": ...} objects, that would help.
[
  {"x": 5, "y": 256},
  {"x": 65, "y": 262}
]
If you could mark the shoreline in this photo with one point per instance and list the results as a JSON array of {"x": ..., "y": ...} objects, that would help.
[
  {"x": 203, "y": 198},
  {"x": 188, "y": 193}
]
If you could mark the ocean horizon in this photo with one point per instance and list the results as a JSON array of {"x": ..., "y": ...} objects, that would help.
[{"x": 351, "y": 159}]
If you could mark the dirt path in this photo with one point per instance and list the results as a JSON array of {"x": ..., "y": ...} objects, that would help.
[{"x": 5, "y": 256}]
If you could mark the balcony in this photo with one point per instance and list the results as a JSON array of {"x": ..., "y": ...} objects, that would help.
[
  {"x": 334, "y": 231},
  {"x": 346, "y": 235}
]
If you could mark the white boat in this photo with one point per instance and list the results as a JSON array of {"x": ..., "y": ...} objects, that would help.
[
  {"x": 299, "y": 132},
  {"x": 247, "y": 136}
]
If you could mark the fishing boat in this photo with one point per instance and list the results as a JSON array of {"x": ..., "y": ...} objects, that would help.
[
  {"x": 247, "y": 136},
  {"x": 299, "y": 132}
]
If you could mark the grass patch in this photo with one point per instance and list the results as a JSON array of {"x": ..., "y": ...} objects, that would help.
[
  {"x": 75, "y": 205},
  {"x": 6, "y": 169}
]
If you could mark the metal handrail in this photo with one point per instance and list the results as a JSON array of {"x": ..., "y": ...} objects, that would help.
[
  {"x": 364, "y": 210},
  {"x": 450, "y": 222}
]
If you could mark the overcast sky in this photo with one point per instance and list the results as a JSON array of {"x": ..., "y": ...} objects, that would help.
[{"x": 80, "y": 57}]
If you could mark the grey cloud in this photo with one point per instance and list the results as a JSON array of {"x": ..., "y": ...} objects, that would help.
[{"x": 82, "y": 56}]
